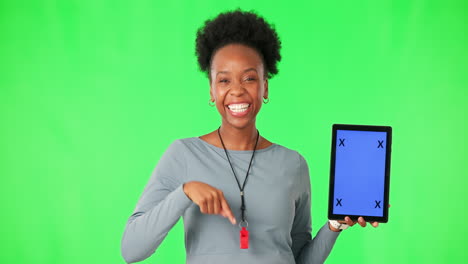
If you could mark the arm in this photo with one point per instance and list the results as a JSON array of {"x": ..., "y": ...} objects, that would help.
[
  {"x": 305, "y": 249},
  {"x": 159, "y": 208}
]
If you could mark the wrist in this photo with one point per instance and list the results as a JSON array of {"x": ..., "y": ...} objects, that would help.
[
  {"x": 184, "y": 189},
  {"x": 336, "y": 226},
  {"x": 333, "y": 229}
]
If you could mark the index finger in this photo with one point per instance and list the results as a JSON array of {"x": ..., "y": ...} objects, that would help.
[{"x": 226, "y": 210}]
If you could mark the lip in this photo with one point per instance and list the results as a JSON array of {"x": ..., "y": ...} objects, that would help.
[
  {"x": 241, "y": 114},
  {"x": 240, "y": 102}
]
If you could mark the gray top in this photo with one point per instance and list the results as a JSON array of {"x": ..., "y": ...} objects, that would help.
[{"x": 277, "y": 198}]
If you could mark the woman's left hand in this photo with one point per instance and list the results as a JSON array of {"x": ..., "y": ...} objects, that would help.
[{"x": 361, "y": 221}]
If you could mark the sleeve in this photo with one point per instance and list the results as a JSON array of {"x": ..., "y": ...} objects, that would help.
[
  {"x": 159, "y": 208},
  {"x": 305, "y": 249}
]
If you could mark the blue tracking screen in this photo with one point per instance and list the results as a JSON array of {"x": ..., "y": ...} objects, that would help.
[{"x": 359, "y": 172}]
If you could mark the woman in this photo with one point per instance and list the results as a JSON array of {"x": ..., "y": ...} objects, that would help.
[{"x": 243, "y": 198}]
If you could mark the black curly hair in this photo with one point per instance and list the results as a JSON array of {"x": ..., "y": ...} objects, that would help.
[{"x": 243, "y": 27}]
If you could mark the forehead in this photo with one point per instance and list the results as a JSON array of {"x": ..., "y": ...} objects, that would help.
[{"x": 236, "y": 57}]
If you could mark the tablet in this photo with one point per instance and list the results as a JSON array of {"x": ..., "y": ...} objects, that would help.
[{"x": 360, "y": 172}]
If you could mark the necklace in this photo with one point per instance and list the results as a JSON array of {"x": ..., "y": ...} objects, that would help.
[{"x": 244, "y": 233}]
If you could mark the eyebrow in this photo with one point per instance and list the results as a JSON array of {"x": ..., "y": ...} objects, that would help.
[{"x": 246, "y": 70}]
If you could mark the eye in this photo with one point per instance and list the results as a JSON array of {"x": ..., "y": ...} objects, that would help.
[
  {"x": 248, "y": 79},
  {"x": 223, "y": 80}
]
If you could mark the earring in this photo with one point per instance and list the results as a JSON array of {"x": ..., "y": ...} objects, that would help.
[
  {"x": 266, "y": 100},
  {"x": 211, "y": 103}
]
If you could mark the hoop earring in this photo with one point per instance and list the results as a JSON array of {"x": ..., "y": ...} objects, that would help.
[
  {"x": 211, "y": 103},
  {"x": 266, "y": 100}
]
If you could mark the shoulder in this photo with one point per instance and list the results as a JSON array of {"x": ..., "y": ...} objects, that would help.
[
  {"x": 291, "y": 153},
  {"x": 289, "y": 156},
  {"x": 297, "y": 167},
  {"x": 181, "y": 144},
  {"x": 175, "y": 156},
  {"x": 186, "y": 146}
]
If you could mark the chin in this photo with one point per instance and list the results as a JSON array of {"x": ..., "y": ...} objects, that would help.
[{"x": 239, "y": 124}]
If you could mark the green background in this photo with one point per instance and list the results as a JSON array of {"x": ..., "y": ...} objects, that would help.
[{"x": 92, "y": 93}]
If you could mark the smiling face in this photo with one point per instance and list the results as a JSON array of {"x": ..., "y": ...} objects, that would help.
[{"x": 238, "y": 84}]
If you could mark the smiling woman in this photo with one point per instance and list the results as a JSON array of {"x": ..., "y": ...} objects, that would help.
[
  {"x": 262, "y": 188},
  {"x": 238, "y": 86}
]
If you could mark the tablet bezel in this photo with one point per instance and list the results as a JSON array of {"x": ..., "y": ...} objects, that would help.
[{"x": 388, "y": 146}]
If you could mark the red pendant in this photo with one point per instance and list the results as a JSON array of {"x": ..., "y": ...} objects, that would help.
[{"x": 244, "y": 238}]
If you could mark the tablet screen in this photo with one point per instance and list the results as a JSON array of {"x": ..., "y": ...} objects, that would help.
[{"x": 359, "y": 173}]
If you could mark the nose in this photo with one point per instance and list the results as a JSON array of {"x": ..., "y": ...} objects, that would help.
[{"x": 237, "y": 89}]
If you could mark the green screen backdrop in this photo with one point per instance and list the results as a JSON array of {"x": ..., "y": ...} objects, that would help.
[{"x": 93, "y": 92}]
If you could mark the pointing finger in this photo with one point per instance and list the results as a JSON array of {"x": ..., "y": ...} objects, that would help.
[
  {"x": 226, "y": 210},
  {"x": 222, "y": 213}
]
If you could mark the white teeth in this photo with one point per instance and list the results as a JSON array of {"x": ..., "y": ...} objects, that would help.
[{"x": 238, "y": 108}]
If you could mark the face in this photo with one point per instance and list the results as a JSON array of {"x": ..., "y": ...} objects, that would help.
[{"x": 238, "y": 84}]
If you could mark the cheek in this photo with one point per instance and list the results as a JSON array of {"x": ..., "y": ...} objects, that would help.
[
  {"x": 219, "y": 95},
  {"x": 214, "y": 92},
  {"x": 257, "y": 94}
]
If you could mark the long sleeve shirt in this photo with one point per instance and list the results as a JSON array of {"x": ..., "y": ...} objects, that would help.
[{"x": 277, "y": 199}]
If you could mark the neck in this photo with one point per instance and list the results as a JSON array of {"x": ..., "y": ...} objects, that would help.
[{"x": 239, "y": 139}]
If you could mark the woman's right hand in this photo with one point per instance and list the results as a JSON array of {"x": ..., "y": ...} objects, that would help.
[{"x": 209, "y": 199}]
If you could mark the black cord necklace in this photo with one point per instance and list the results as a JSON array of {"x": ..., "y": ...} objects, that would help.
[{"x": 244, "y": 233}]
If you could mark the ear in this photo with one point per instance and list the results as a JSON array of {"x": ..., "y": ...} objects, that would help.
[
  {"x": 265, "y": 89},
  {"x": 212, "y": 93},
  {"x": 212, "y": 97}
]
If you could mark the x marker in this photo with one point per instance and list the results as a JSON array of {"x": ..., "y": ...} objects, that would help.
[
  {"x": 377, "y": 204},
  {"x": 338, "y": 202},
  {"x": 341, "y": 142},
  {"x": 380, "y": 144}
]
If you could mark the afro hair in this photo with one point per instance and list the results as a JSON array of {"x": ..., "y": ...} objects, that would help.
[{"x": 240, "y": 27}]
